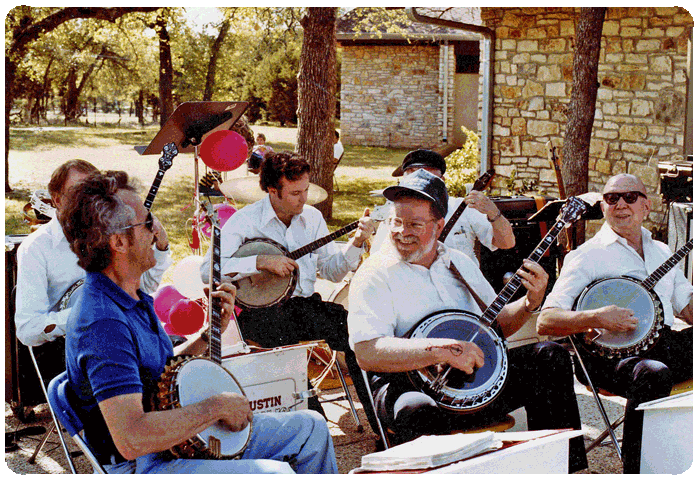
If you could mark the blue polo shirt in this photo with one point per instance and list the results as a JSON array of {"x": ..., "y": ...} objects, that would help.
[{"x": 115, "y": 345}]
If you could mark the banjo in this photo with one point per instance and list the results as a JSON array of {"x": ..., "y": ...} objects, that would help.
[
  {"x": 164, "y": 163},
  {"x": 265, "y": 289},
  {"x": 188, "y": 379},
  {"x": 627, "y": 292},
  {"x": 452, "y": 389}
]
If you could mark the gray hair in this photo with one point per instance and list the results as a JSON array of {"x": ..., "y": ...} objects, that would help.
[{"x": 94, "y": 212}]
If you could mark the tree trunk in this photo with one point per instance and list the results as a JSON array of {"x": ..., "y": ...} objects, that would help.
[
  {"x": 165, "y": 83},
  {"x": 584, "y": 92},
  {"x": 213, "y": 58},
  {"x": 317, "y": 89}
]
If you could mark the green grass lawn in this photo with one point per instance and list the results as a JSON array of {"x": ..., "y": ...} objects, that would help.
[{"x": 362, "y": 170}]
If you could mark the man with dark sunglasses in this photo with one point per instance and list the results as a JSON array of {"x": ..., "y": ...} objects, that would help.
[{"x": 624, "y": 247}]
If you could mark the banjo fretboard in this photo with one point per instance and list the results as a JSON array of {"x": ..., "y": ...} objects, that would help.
[
  {"x": 300, "y": 252},
  {"x": 215, "y": 302},
  {"x": 666, "y": 267}
]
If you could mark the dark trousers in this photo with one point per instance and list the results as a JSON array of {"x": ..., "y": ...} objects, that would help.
[
  {"x": 642, "y": 379},
  {"x": 540, "y": 379},
  {"x": 302, "y": 319}
]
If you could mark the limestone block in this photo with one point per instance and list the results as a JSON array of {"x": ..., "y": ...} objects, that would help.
[
  {"x": 633, "y": 132},
  {"x": 539, "y": 128}
]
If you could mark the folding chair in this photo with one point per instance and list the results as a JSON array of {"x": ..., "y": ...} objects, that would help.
[{"x": 61, "y": 409}]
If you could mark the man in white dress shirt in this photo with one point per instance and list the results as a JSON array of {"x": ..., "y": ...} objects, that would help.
[
  {"x": 392, "y": 291},
  {"x": 47, "y": 269},
  {"x": 624, "y": 247},
  {"x": 283, "y": 216}
]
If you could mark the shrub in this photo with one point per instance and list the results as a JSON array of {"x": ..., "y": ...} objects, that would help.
[{"x": 463, "y": 165}]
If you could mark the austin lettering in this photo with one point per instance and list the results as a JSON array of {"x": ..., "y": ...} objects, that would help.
[{"x": 264, "y": 403}]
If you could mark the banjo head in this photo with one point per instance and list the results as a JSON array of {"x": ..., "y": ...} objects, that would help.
[
  {"x": 263, "y": 289},
  {"x": 200, "y": 378},
  {"x": 624, "y": 292},
  {"x": 463, "y": 393}
]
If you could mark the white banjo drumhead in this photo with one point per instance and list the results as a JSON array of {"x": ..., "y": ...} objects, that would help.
[
  {"x": 624, "y": 293},
  {"x": 264, "y": 288},
  {"x": 460, "y": 392},
  {"x": 199, "y": 379}
]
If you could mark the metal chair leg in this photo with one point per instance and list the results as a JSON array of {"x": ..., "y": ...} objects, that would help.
[
  {"x": 609, "y": 428},
  {"x": 605, "y": 434},
  {"x": 382, "y": 433},
  {"x": 56, "y": 425},
  {"x": 41, "y": 444},
  {"x": 360, "y": 428}
]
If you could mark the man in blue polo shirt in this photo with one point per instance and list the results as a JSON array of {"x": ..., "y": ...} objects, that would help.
[{"x": 116, "y": 351}]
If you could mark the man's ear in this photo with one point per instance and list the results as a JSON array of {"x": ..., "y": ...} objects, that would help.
[
  {"x": 118, "y": 242},
  {"x": 440, "y": 225}
]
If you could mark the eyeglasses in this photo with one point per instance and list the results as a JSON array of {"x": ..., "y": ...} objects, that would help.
[
  {"x": 397, "y": 225},
  {"x": 148, "y": 223},
  {"x": 628, "y": 197}
]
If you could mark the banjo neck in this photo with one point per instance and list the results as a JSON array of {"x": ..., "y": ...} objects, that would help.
[
  {"x": 378, "y": 214},
  {"x": 570, "y": 212},
  {"x": 666, "y": 267},
  {"x": 215, "y": 302},
  {"x": 481, "y": 183},
  {"x": 300, "y": 252},
  {"x": 164, "y": 163}
]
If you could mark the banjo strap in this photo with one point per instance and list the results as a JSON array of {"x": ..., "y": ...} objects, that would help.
[{"x": 479, "y": 301}]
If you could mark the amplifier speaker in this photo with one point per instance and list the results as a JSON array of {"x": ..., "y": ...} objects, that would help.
[{"x": 497, "y": 264}]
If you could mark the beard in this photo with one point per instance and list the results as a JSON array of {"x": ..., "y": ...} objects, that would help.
[{"x": 422, "y": 250}]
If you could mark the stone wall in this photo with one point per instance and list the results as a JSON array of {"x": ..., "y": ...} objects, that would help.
[
  {"x": 640, "y": 114},
  {"x": 392, "y": 95}
]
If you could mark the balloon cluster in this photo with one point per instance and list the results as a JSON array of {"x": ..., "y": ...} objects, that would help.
[{"x": 181, "y": 306}]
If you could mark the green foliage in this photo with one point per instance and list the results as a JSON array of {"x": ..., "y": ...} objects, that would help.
[{"x": 463, "y": 165}]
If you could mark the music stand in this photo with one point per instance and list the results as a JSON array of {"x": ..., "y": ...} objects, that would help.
[
  {"x": 550, "y": 212},
  {"x": 192, "y": 122}
]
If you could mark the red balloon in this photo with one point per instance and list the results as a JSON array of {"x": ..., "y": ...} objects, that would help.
[
  {"x": 164, "y": 299},
  {"x": 223, "y": 150},
  {"x": 186, "y": 317}
]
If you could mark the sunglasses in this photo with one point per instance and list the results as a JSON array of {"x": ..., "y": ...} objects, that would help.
[
  {"x": 148, "y": 223},
  {"x": 628, "y": 197}
]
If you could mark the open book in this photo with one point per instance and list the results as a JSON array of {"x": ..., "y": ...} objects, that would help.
[
  {"x": 431, "y": 451},
  {"x": 436, "y": 453}
]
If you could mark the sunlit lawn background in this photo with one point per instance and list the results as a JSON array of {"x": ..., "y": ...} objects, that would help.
[{"x": 36, "y": 153}]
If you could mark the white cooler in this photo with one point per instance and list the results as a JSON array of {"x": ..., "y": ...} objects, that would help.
[{"x": 667, "y": 436}]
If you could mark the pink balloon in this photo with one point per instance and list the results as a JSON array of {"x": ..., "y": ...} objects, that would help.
[
  {"x": 164, "y": 299},
  {"x": 224, "y": 210},
  {"x": 186, "y": 317},
  {"x": 223, "y": 150}
]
